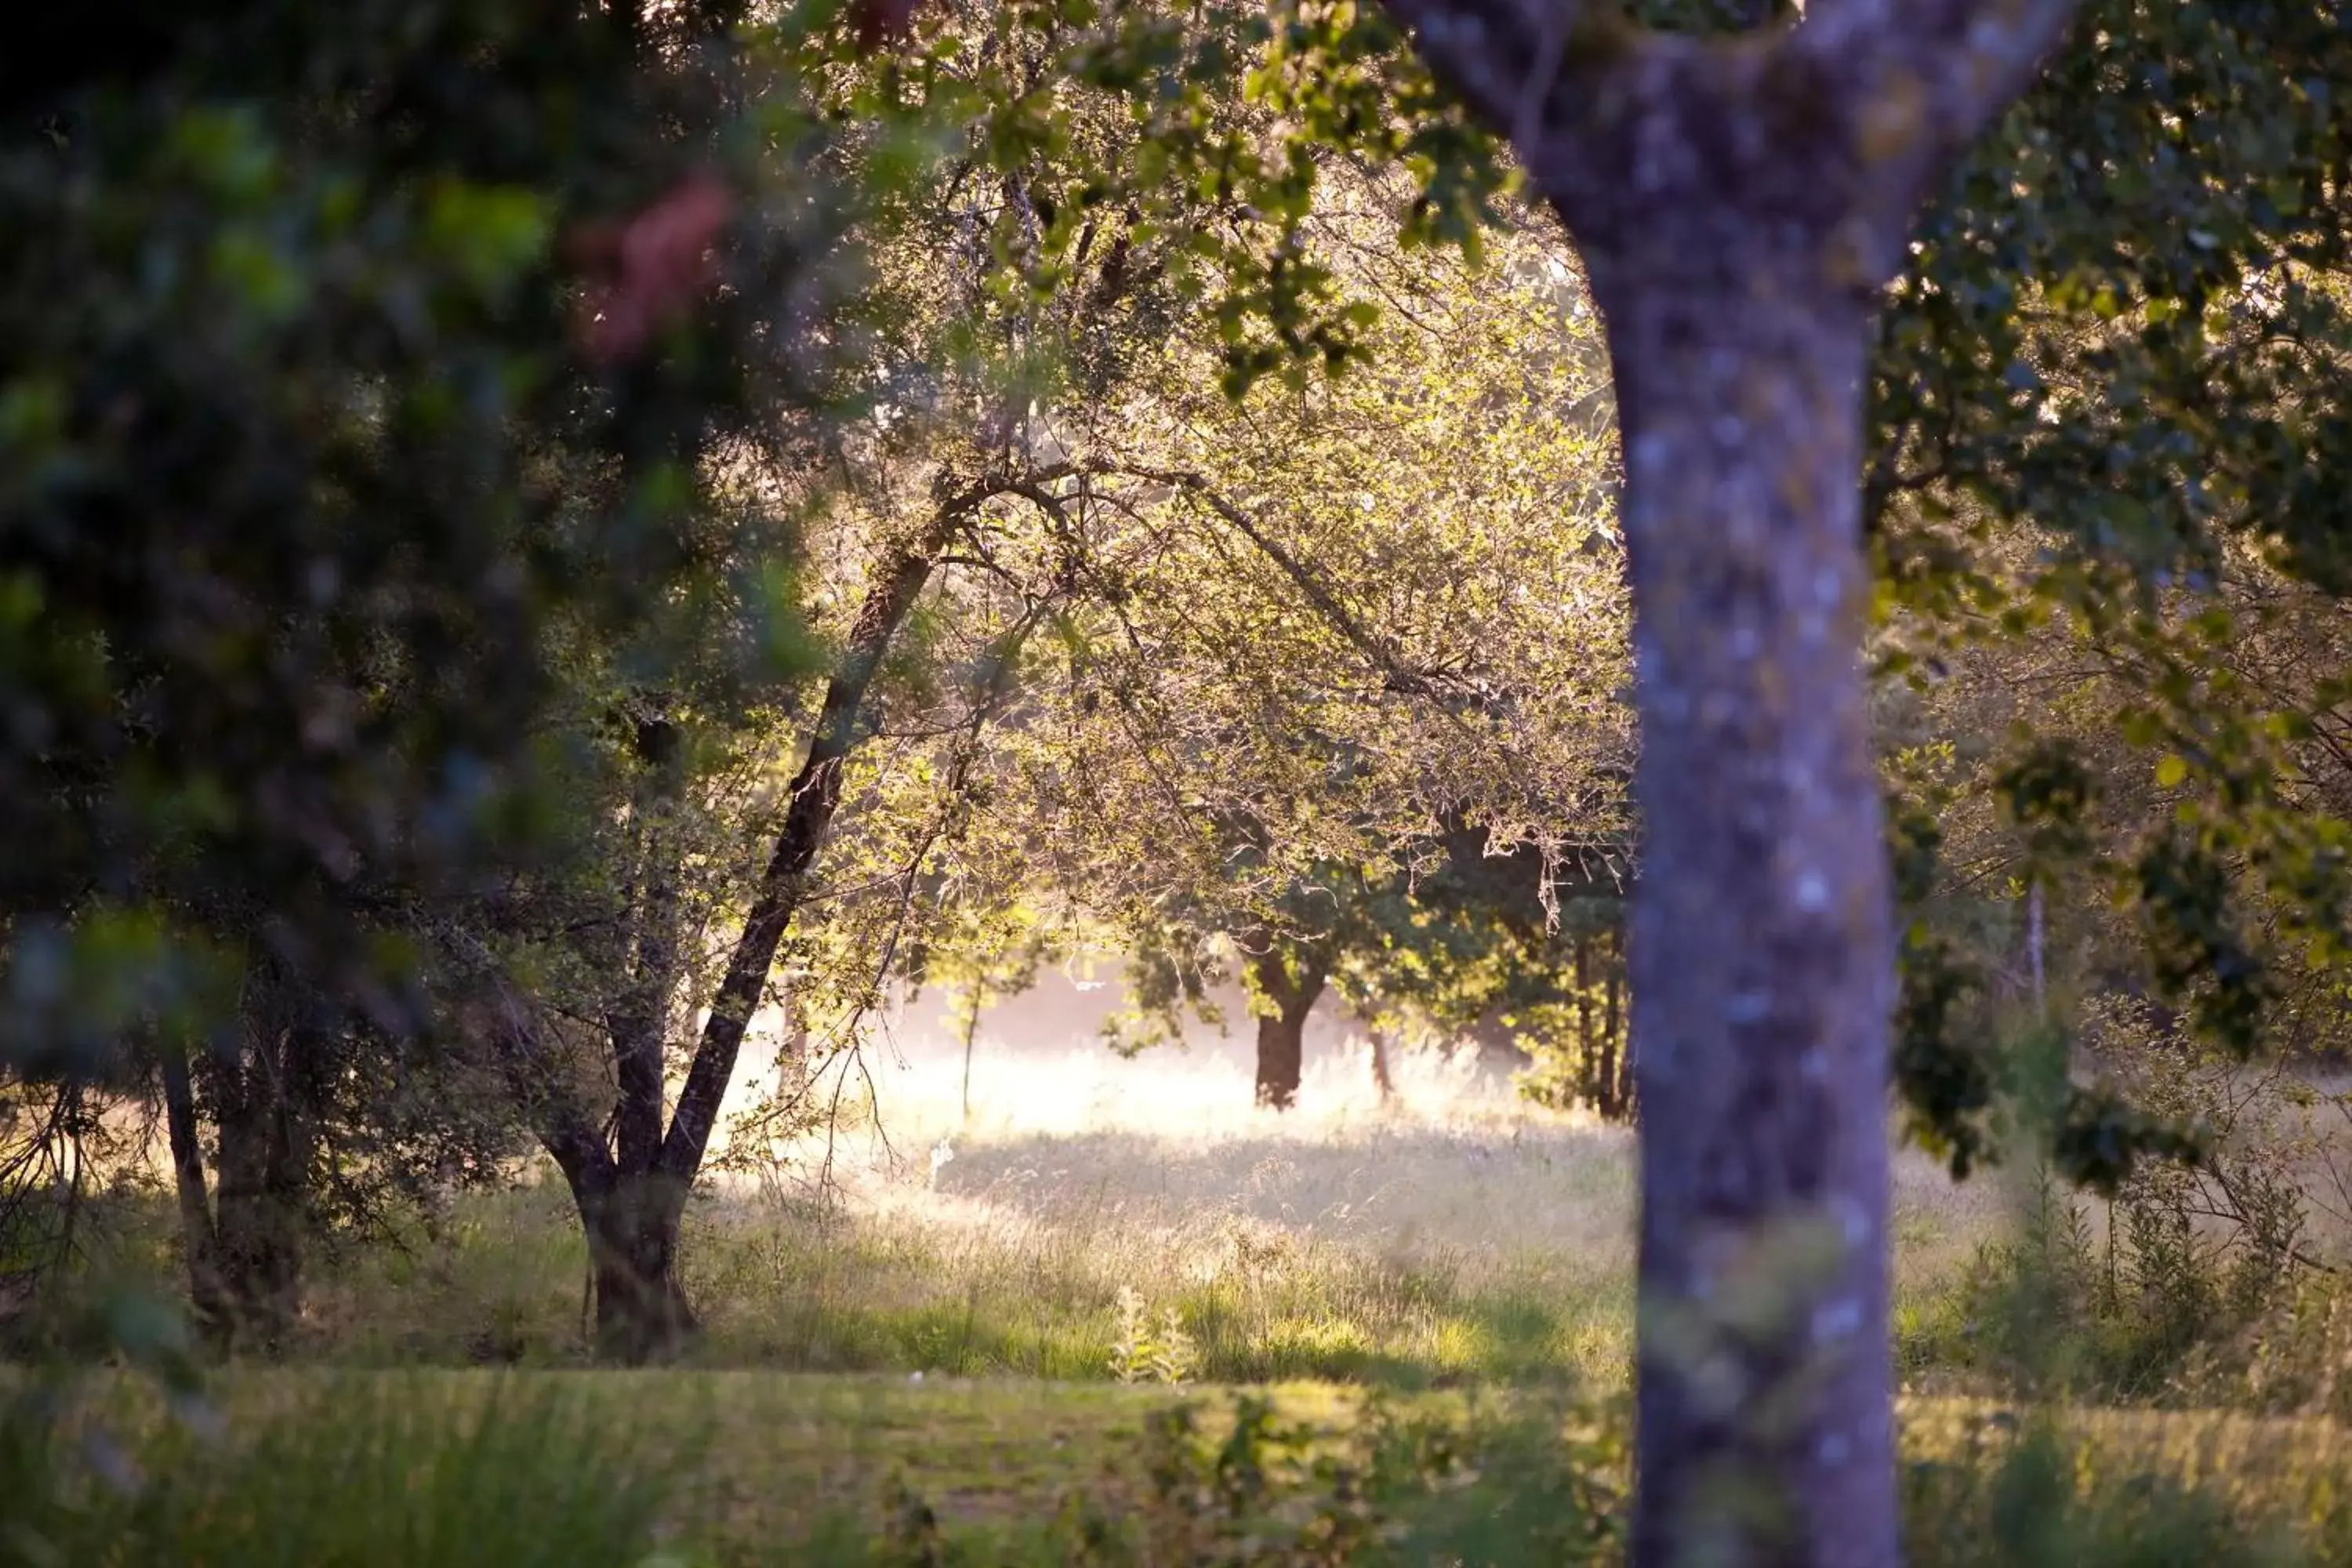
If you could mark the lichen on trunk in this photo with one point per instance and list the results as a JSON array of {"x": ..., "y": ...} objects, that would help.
[
  {"x": 1738, "y": 202},
  {"x": 1764, "y": 1380}
]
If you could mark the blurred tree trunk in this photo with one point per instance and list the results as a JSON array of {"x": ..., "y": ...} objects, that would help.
[
  {"x": 1616, "y": 1053},
  {"x": 244, "y": 1232},
  {"x": 199, "y": 1241},
  {"x": 1289, "y": 978},
  {"x": 1737, "y": 204},
  {"x": 1383, "y": 1081},
  {"x": 1762, "y": 961}
]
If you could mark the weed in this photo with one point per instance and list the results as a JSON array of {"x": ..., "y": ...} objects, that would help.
[{"x": 1148, "y": 1350}]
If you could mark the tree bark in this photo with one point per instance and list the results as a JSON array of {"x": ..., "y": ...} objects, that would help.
[
  {"x": 1761, "y": 952},
  {"x": 206, "y": 1297},
  {"x": 1290, "y": 994},
  {"x": 642, "y": 1314},
  {"x": 261, "y": 1197},
  {"x": 243, "y": 1224},
  {"x": 1737, "y": 204},
  {"x": 632, "y": 1201}
]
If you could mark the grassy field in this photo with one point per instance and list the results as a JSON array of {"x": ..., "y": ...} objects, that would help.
[
  {"x": 946, "y": 1340},
  {"x": 1460, "y": 1237},
  {"x": 742, "y": 1467}
]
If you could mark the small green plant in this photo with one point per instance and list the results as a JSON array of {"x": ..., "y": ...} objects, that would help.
[
  {"x": 1537, "y": 1484},
  {"x": 1152, "y": 1350}
]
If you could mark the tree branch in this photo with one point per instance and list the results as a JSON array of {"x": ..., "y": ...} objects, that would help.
[
  {"x": 1500, "y": 56},
  {"x": 1927, "y": 76},
  {"x": 815, "y": 793},
  {"x": 1851, "y": 114},
  {"x": 1400, "y": 677}
]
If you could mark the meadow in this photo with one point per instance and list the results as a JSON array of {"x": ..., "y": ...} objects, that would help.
[
  {"x": 1455, "y": 1235},
  {"x": 1106, "y": 1317}
]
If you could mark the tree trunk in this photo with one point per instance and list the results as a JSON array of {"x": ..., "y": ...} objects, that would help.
[
  {"x": 1383, "y": 1081},
  {"x": 1616, "y": 1103},
  {"x": 1289, "y": 996},
  {"x": 1737, "y": 204},
  {"x": 642, "y": 1313},
  {"x": 261, "y": 1202},
  {"x": 1585, "y": 1053},
  {"x": 1281, "y": 1054},
  {"x": 1762, "y": 958},
  {"x": 815, "y": 794},
  {"x": 207, "y": 1297},
  {"x": 1599, "y": 1025},
  {"x": 632, "y": 1205},
  {"x": 244, "y": 1230}
]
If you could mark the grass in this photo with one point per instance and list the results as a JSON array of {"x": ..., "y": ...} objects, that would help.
[
  {"x": 919, "y": 1352},
  {"x": 740, "y": 1467},
  {"x": 1465, "y": 1239}
]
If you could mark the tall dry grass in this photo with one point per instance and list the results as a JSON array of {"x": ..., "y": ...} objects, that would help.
[{"x": 1454, "y": 1234}]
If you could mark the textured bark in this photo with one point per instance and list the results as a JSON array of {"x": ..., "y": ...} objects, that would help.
[
  {"x": 1737, "y": 204},
  {"x": 1290, "y": 983},
  {"x": 1761, "y": 955}
]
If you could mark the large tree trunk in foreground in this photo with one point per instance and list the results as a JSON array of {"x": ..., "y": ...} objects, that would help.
[
  {"x": 1762, "y": 956},
  {"x": 1737, "y": 203},
  {"x": 1289, "y": 985}
]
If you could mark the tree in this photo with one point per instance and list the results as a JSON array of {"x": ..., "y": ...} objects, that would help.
[
  {"x": 1737, "y": 203},
  {"x": 1340, "y": 639},
  {"x": 631, "y": 1184},
  {"x": 362, "y": 365},
  {"x": 2106, "y": 402},
  {"x": 1015, "y": 275}
]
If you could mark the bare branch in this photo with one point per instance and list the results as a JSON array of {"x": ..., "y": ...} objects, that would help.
[{"x": 1400, "y": 677}]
